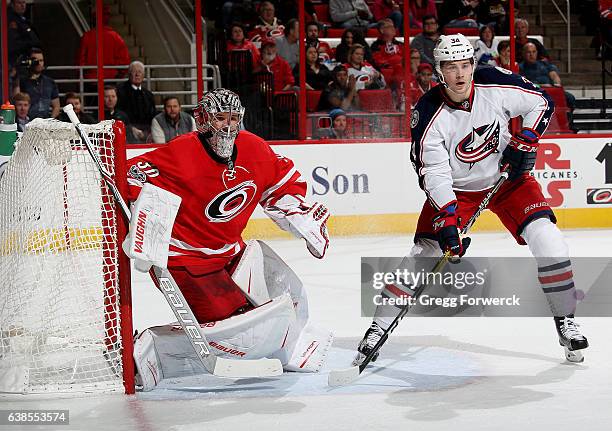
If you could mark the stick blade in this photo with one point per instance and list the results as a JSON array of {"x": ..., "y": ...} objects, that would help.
[
  {"x": 248, "y": 368},
  {"x": 342, "y": 377}
]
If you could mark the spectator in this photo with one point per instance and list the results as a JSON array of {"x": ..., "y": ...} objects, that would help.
[
  {"x": 137, "y": 102},
  {"x": 267, "y": 20},
  {"x": 22, "y": 106},
  {"x": 600, "y": 12},
  {"x": 486, "y": 46},
  {"x": 110, "y": 104},
  {"x": 115, "y": 50},
  {"x": 350, "y": 13},
  {"x": 503, "y": 59},
  {"x": 420, "y": 9},
  {"x": 317, "y": 76},
  {"x": 382, "y": 9},
  {"x": 75, "y": 100},
  {"x": 20, "y": 34},
  {"x": 423, "y": 82},
  {"x": 459, "y": 13},
  {"x": 349, "y": 37},
  {"x": 493, "y": 13},
  {"x": 275, "y": 64},
  {"x": 312, "y": 38},
  {"x": 340, "y": 93},
  {"x": 521, "y": 28},
  {"x": 238, "y": 41},
  {"x": 366, "y": 76},
  {"x": 44, "y": 96},
  {"x": 287, "y": 45},
  {"x": 387, "y": 51},
  {"x": 172, "y": 122},
  {"x": 544, "y": 74},
  {"x": 337, "y": 129},
  {"x": 426, "y": 41}
]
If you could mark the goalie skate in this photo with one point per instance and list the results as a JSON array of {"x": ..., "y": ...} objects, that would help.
[
  {"x": 571, "y": 338},
  {"x": 366, "y": 345}
]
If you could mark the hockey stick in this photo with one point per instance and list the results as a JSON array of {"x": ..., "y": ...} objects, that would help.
[
  {"x": 243, "y": 368},
  {"x": 347, "y": 375}
]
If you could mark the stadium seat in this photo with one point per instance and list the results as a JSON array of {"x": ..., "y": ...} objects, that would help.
[
  {"x": 322, "y": 11},
  {"x": 466, "y": 31},
  {"x": 335, "y": 32},
  {"x": 559, "y": 122},
  {"x": 376, "y": 100},
  {"x": 240, "y": 65},
  {"x": 285, "y": 115},
  {"x": 312, "y": 100}
]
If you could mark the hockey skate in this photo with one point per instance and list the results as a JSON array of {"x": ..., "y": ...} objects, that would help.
[
  {"x": 366, "y": 345},
  {"x": 571, "y": 338}
]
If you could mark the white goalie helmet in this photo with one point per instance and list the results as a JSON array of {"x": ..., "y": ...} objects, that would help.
[
  {"x": 452, "y": 47},
  {"x": 206, "y": 113}
]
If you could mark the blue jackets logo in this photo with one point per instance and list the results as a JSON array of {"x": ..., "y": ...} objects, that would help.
[{"x": 479, "y": 144}]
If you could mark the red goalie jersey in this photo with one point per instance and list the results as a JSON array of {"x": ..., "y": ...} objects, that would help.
[{"x": 217, "y": 201}]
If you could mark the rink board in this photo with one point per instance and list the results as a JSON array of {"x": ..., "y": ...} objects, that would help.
[{"x": 371, "y": 188}]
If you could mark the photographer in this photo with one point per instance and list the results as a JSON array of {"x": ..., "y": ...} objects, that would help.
[
  {"x": 21, "y": 36},
  {"x": 42, "y": 89}
]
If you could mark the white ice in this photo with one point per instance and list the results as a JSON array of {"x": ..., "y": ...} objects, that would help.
[{"x": 434, "y": 374}]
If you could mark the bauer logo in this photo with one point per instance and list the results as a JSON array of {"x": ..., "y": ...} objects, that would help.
[
  {"x": 340, "y": 183},
  {"x": 599, "y": 196}
]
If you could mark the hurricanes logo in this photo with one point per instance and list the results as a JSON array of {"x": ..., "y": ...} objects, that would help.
[
  {"x": 479, "y": 144},
  {"x": 229, "y": 203}
]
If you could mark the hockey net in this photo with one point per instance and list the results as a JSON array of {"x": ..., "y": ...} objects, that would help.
[{"x": 65, "y": 322}]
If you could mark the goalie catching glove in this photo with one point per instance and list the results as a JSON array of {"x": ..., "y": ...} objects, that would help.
[
  {"x": 520, "y": 153},
  {"x": 150, "y": 227},
  {"x": 293, "y": 215}
]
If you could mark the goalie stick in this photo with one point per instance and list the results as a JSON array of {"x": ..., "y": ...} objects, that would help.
[
  {"x": 221, "y": 367},
  {"x": 347, "y": 375}
]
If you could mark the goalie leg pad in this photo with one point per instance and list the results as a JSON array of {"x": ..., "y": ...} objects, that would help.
[
  {"x": 249, "y": 274},
  {"x": 258, "y": 333},
  {"x": 310, "y": 351},
  {"x": 149, "y": 372}
]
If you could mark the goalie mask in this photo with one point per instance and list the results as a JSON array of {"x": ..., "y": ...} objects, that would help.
[
  {"x": 219, "y": 114},
  {"x": 453, "y": 47}
]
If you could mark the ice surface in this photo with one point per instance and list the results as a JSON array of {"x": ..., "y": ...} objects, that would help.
[{"x": 434, "y": 374}]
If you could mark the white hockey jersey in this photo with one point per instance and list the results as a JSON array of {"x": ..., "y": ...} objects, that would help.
[{"x": 459, "y": 146}]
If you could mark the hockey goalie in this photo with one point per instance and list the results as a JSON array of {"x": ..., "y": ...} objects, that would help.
[{"x": 192, "y": 200}]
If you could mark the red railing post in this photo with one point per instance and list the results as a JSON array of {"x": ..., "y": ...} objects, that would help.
[
  {"x": 100, "y": 59},
  {"x": 199, "y": 59}
]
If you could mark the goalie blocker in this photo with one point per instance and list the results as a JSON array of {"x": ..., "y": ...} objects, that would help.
[{"x": 277, "y": 326}]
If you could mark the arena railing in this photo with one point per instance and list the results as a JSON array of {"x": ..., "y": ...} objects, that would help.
[{"x": 186, "y": 79}]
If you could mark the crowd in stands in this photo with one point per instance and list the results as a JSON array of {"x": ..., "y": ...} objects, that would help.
[
  {"x": 36, "y": 95},
  {"x": 341, "y": 73},
  {"x": 262, "y": 38}
]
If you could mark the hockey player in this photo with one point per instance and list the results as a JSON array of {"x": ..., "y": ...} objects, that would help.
[
  {"x": 193, "y": 198},
  {"x": 460, "y": 139}
]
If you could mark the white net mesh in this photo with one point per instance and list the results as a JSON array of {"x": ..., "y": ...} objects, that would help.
[{"x": 59, "y": 302}]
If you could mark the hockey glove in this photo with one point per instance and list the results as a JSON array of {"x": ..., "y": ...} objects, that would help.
[
  {"x": 520, "y": 153},
  {"x": 306, "y": 221},
  {"x": 445, "y": 228}
]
